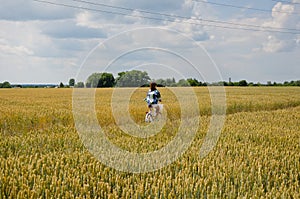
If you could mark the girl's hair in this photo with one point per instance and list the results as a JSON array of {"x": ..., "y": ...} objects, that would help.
[{"x": 152, "y": 86}]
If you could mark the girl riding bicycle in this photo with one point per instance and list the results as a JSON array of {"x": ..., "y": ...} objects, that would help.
[{"x": 153, "y": 97}]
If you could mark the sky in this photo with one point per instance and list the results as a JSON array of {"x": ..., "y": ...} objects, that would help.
[{"x": 52, "y": 41}]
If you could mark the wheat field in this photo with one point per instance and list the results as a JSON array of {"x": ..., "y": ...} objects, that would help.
[{"x": 257, "y": 154}]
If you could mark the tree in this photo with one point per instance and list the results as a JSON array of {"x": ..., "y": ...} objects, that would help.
[
  {"x": 161, "y": 82},
  {"x": 243, "y": 83},
  {"x": 170, "y": 82},
  {"x": 224, "y": 83},
  {"x": 88, "y": 84},
  {"x": 72, "y": 82},
  {"x": 231, "y": 83},
  {"x": 193, "y": 82},
  {"x": 134, "y": 78},
  {"x": 120, "y": 74},
  {"x": 93, "y": 80},
  {"x": 79, "y": 85},
  {"x": 183, "y": 82},
  {"x": 106, "y": 80},
  {"x": 6, "y": 85},
  {"x": 251, "y": 84},
  {"x": 61, "y": 85},
  {"x": 97, "y": 80}
]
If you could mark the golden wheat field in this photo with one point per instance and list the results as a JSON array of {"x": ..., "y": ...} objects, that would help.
[{"x": 257, "y": 154}]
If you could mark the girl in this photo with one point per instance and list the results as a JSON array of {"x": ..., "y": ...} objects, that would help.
[{"x": 153, "y": 97}]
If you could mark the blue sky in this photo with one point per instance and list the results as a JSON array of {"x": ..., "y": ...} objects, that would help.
[{"x": 47, "y": 43}]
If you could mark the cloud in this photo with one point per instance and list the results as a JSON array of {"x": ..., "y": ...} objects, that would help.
[
  {"x": 69, "y": 29},
  {"x": 278, "y": 45},
  {"x": 17, "y": 38},
  {"x": 189, "y": 28},
  {"x": 133, "y": 12},
  {"x": 281, "y": 12},
  {"x": 17, "y": 50},
  {"x": 51, "y": 40},
  {"x": 185, "y": 18},
  {"x": 284, "y": 16}
]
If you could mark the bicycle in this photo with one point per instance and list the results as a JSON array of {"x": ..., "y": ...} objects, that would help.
[{"x": 155, "y": 113}]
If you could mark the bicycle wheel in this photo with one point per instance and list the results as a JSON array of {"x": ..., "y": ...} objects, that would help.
[{"x": 148, "y": 117}]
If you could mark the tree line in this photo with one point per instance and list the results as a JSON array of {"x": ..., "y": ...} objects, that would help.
[{"x": 136, "y": 78}]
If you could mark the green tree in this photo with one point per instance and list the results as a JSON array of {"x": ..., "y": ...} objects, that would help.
[
  {"x": 106, "y": 80},
  {"x": 6, "y": 85},
  {"x": 93, "y": 80},
  {"x": 224, "y": 83},
  {"x": 161, "y": 82},
  {"x": 251, "y": 84},
  {"x": 61, "y": 85},
  {"x": 120, "y": 74},
  {"x": 193, "y": 82},
  {"x": 134, "y": 78},
  {"x": 79, "y": 85},
  {"x": 243, "y": 83},
  {"x": 231, "y": 83},
  {"x": 99, "y": 80},
  {"x": 293, "y": 83},
  {"x": 72, "y": 82},
  {"x": 183, "y": 82},
  {"x": 170, "y": 82}
]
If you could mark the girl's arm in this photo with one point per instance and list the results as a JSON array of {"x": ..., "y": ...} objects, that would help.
[{"x": 158, "y": 96}]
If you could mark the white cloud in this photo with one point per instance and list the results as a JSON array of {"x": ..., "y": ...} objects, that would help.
[
  {"x": 188, "y": 27},
  {"x": 284, "y": 16},
  {"x": 281, "y": 11},
  {"x": 53, "y": 40},
  {"x": 69, "y": 29},
  {"x": 276, "y": 45},
  {"x": 185, "y": 19},
  {"x": 17, "y": 50}
]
